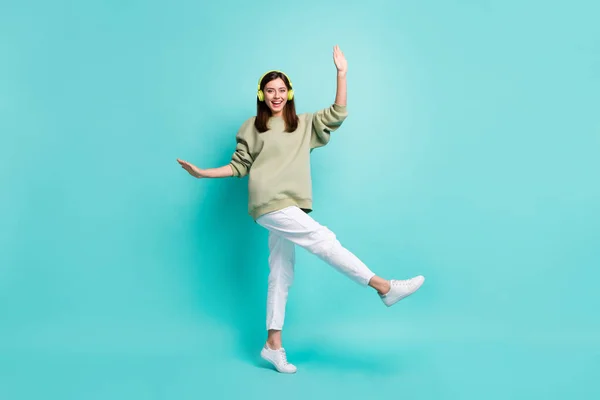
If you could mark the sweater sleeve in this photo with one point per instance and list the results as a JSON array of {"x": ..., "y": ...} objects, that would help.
[
  {"x": 326, "y": 121},
  {"x": 242, "y": 158}
]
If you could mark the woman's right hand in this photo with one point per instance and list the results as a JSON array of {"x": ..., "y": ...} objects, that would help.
[{"x": 192, "y": 169}]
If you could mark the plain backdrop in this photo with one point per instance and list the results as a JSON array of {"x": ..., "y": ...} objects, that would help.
[{"x": 470, "y": 155}]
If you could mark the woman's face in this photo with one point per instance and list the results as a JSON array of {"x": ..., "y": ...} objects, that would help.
[{"x": 276, "y": 95}]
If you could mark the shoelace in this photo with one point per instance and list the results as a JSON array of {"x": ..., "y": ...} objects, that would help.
[
  {"x": 283, "y": 356},
  {"x": 406, "y": 283}
]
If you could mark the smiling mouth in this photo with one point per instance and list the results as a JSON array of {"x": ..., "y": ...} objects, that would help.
[{"x": 276, "y": 103}]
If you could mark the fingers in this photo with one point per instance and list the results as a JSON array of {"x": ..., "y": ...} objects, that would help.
[
  {"x": 338, "y": 55},
  {"x": 185, "y": 165},
  {"x": 188, "y": 167}
]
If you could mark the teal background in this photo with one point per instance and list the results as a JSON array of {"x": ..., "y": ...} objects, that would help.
[{"x": 470, "y": 156}]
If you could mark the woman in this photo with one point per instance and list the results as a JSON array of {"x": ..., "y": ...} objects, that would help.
[{"x": 273, "y": 149}]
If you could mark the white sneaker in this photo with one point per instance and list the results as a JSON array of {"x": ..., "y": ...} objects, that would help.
[
  {"x": 278, "y": 359},
  {"x": 401, "y": 289}
]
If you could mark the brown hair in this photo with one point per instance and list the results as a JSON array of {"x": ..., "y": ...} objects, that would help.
[{"x": 263, "y": 112}]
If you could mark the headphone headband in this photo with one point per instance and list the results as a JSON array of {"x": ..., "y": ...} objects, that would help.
[{"x": 274, "y": 70}]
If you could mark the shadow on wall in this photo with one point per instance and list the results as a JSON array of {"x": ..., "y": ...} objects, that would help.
[{"x": 232, "y": 261}]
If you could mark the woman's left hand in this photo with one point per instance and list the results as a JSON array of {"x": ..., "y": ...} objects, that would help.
[{"x": 340, "y": 61}]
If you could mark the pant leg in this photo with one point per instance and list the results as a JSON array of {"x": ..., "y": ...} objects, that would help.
[
  {"x": 282, "y": 258},
  {"x": 301, "y": 229}
]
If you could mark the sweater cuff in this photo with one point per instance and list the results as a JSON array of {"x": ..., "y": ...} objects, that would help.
[
  {"x": 339, "y": 107},
  {"x": 236, "y": 172}
]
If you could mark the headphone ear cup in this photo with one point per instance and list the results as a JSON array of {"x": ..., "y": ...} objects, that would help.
[
  {"x": 260, "y": 95},
  {"x": 290, "y": 94}
]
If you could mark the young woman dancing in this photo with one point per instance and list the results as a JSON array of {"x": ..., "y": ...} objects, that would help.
[{"x": 273, "y": 149}]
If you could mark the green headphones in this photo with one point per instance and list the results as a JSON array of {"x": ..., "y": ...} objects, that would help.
[{"x": 261, "y": 95}]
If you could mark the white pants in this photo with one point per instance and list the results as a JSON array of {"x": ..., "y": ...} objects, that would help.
[{"x": 290, "y": 227}]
